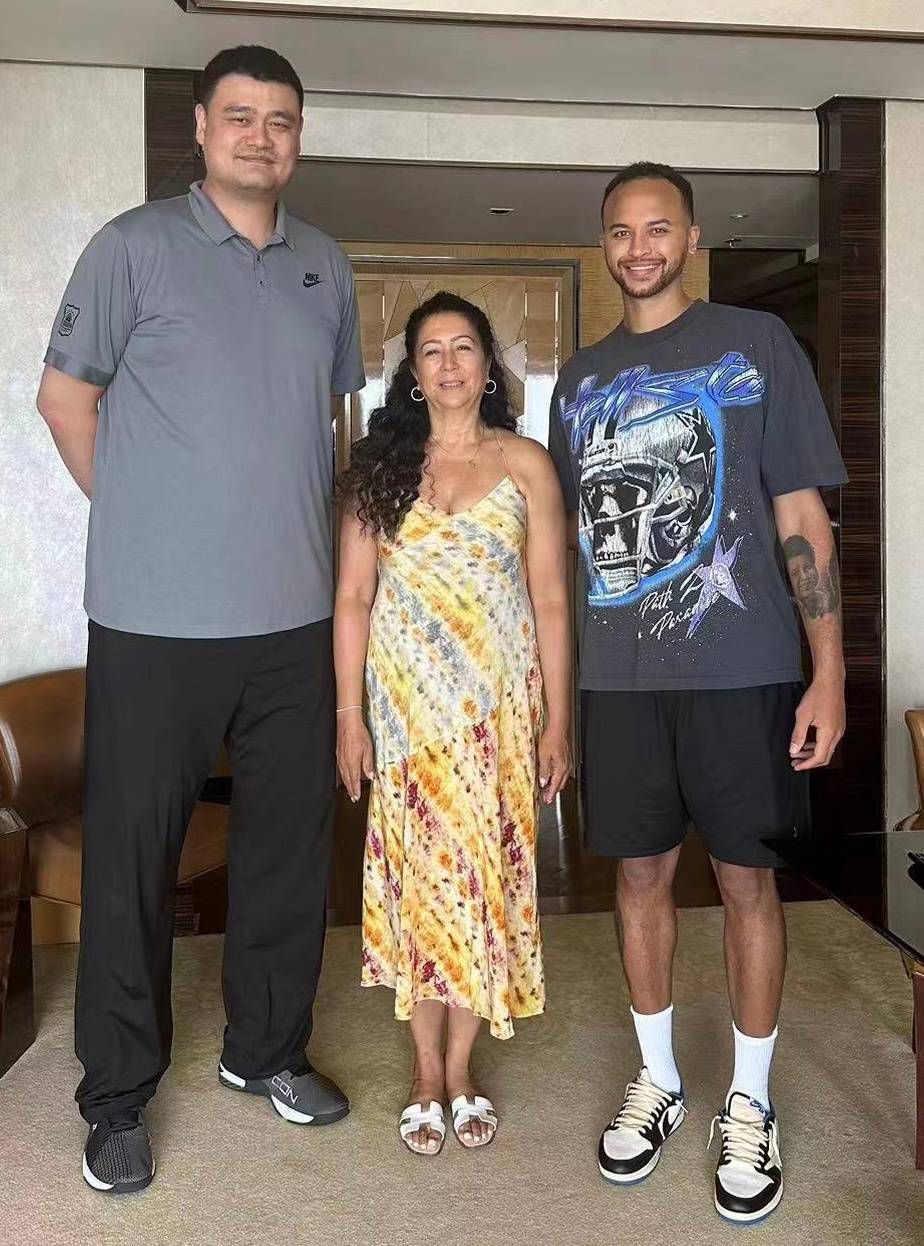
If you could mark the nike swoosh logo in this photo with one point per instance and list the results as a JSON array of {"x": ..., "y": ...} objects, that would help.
[{"x": 309, "y": 282}]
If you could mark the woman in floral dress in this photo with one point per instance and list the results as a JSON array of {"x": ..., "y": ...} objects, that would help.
[{"x": 452, "y": 616}]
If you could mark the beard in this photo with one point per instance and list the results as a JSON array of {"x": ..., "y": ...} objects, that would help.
[{"x": 669, "y": 274}]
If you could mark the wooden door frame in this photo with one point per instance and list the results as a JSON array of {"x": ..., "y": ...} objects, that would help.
[{"x": 387, "y": 265}]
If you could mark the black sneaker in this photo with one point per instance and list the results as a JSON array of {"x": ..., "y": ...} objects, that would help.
[
  {"x": 630, "y": 1146},
  {"x": 749, "y": 1176},
  {"x": 302, "y": 1095},
  {"x": 117, "y": 1158}
]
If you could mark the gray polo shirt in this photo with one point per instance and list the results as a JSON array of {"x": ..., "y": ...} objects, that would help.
[{"x": 213, "y": 469}]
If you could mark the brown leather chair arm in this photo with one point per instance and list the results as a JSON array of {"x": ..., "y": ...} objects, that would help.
[
  {"x": 914, "y": 720},
  {"x": 41, "y": 748}
]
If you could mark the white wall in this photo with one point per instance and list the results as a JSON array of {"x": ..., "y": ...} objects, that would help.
[
  {"x": 72, "y": 156},
  {"x": 513, "y": 62},
  {"x": 355, "y": 127},
  {"x": 904, "y": 446},
  {"x": 834, "y": 15}
]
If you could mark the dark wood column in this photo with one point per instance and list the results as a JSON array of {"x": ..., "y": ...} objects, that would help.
[
  {"x": 171, "y": 157},
  {"x": 850, "y": 796}
]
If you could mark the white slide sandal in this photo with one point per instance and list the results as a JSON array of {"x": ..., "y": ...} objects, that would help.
[
  {"x": 465, "y": 1110},
  {"x": 414, "y": 1117}
]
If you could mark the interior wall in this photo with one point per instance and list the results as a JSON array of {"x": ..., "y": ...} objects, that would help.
[
  {"x": 904, "y": 442},
  {"x": 72, "y": 157},
  {"x": 600, "y": 301},
  {"x": 547, "y": 135},
  {"x": 835, "y": 16}
]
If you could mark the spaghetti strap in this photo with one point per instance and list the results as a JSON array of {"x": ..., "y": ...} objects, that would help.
[{"x": 503, "y": 455}]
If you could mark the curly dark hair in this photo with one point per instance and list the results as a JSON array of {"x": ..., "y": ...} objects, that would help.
[{"x": 387, "y": 465}]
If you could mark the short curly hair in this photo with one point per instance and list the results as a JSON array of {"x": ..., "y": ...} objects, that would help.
[{"x": 644, "y": 170}]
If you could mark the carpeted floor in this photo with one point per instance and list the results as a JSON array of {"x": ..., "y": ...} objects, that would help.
[{"x": 231, "y": 1173}]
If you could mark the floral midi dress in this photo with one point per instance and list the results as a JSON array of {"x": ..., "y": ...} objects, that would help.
[{"x": 455, "y": 710}]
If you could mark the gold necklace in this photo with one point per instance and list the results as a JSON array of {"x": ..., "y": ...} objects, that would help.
[{"x": 471, "y": 461}]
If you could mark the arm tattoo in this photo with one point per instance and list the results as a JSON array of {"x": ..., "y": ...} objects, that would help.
[{"x": 818, "y": 592}]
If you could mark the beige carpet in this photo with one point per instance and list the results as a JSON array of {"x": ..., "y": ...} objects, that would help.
[{"x": 230, "y": 1172}]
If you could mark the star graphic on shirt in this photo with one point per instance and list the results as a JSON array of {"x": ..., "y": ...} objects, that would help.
[
  {"x": 718, "y": 581},
  {"x": 703, "y": 444},
  {"x": 733, "y": 515}
]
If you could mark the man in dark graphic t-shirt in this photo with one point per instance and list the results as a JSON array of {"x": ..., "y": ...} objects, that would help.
[{"x": 689, "y": 443}]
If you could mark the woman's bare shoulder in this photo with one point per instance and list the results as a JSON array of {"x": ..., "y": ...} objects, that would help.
[{"x": 526, "y": 455}]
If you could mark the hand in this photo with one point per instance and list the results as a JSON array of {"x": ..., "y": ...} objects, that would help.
[
  {"x": 554, "y": 755},
  {"x": 822, "y": 707},
  {"x": 354, "y": 751}
]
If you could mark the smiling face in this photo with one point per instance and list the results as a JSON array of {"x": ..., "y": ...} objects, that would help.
[
  {"x": 250, "y": 134},
  {"x": 804, "y": 574},
  {"x": 647, "y": 236},
  {"x": 449, "y": 362}
]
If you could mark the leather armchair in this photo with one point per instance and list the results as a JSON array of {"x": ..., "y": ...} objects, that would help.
[
  {"x": 41, "y": 828},
  {"x": 914, "y": 720}
]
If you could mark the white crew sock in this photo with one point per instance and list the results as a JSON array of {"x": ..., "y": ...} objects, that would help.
[
  {"x": 656, "y": 1041},
  {"x": 752, "y": 1066}
]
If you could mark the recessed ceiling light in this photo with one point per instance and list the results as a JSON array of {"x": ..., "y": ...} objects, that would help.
[
  {"x": 500, "y": 211},
  {"x": 739, "y": 216}
]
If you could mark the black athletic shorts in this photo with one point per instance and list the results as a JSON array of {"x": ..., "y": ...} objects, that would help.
[{"x": 655, "y": 761}]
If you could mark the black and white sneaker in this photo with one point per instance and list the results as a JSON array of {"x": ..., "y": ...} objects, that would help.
[
  {"x": 117, "y": 1158},
  {"x": 630, "y": 1146},
  {"x": 301, "y": 1095},
  {"x": 749, "y": 1176}
]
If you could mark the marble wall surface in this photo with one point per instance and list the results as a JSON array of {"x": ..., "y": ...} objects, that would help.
[
  {"x": 903, "y": 451},
  {"x": 72, "y": 157}
]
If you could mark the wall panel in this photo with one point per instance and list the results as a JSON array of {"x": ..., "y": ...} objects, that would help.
[
  {"x": 72, "y": 157},
  {"x": 903, "y": 430},
  {"x": 850, "y": 798}
]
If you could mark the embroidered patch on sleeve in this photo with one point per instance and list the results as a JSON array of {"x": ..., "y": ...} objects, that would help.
[{"x": 68, "y": 319}]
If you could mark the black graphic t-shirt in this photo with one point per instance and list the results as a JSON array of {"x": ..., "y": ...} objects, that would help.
[{"x": 671, "y": 445}]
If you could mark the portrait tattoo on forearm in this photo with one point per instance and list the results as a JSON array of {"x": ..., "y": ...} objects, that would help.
[{"x": 818, "y": 592}]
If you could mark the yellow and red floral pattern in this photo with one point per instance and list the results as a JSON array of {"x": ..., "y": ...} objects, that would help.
[{"x": 455, "y": 710}]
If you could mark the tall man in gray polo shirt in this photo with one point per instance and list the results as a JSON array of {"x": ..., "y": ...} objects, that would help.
[{"x": 187, "y": 387}]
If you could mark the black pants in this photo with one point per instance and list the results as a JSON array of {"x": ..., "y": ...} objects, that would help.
[{"x": 157, "y": 711}]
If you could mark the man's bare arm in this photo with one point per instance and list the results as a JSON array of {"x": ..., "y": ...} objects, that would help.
[
  {"x": 70, "y": 408},
  {"x": 811, "y": 560}
]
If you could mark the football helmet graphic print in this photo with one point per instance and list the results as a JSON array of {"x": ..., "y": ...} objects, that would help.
[
  {"x": 647, "y": 494},
  {"x": 651, "y": 448}
]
